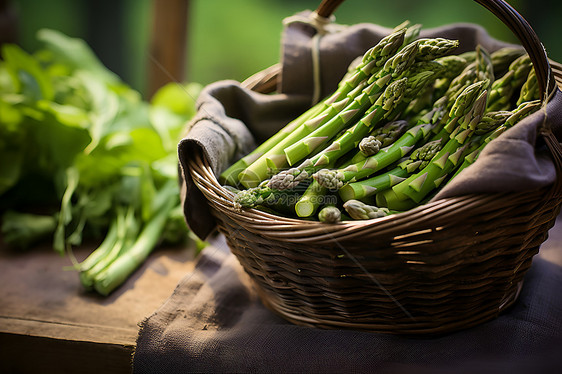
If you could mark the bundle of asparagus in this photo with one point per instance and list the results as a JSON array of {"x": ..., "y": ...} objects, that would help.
[{"x": 401, "y": 124}]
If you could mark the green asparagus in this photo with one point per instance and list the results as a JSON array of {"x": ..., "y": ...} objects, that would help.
[
  {"x": 265, "y": 158},
  {"x": 504, "y": 88},
  {"x": 359, "y": 210},
  {"x": 329, "y": 214},
  {"x": 411, "y": 123}
]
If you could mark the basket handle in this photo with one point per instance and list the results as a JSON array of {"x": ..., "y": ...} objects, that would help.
[{"x": 514, "y": 21}]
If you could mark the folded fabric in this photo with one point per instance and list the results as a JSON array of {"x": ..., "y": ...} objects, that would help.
[
  {"x": 231, "y": 119},
  {"x": 215, "y": 323}
]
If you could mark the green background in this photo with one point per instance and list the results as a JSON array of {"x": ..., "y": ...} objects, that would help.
[{"x": 232, "y": 39}]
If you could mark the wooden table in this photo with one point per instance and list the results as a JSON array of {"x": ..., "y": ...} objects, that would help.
[{"x": 49, "y": 324}]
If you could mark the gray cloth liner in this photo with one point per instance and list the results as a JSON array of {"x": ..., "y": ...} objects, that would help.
[{"x": 231, "y": 120}]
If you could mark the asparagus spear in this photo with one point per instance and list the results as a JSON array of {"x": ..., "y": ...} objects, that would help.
[
  {"x": 252, "y": 197},
  {"x": 379, "y": 161},
  {"x": 490, "y": 121},
  {"x": 308, "y": 204},
  {"x": 433, "y": 48},
  {"x": 392, "y": 94},
  {"x": 504, "y": 88},
  {"x": 313, "y": 198},
  {"x": 503, "y": 121},
  {"x": 372, "y": 60},
  {"x": 370, "y": 145},
  {"x": 369, "y": 187},
  {"x": 359, "y": 210},
  {"x": 416, "y": 187},
  {"x": 465, "y": 110},
  {"x": 530, "y": 90},
  {"x": 377, "y": 84},
  {"x": 257, "y": 171},
  {"x": 503, "y": 57},
  {"x": 329, "y": 214},
  {"x": 380, "y": 138}
]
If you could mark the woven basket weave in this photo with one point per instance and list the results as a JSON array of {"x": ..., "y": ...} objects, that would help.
[{"x": 444, "y": 266}]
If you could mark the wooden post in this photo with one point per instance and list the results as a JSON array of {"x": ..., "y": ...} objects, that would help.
[
  {"x": 8, "y": 23},
  {"x": 168, "y": 43}
]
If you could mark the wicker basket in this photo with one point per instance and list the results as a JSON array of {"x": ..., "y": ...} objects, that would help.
[{"x": 447, "y": 265}]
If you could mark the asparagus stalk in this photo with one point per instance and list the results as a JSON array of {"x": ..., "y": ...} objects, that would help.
[
  {"x": 380, "y": 138},
  {"x": 372, "y": 60},
  {"x": 416, "y": 187},
  {"x": 530, "y": 90},
  {"x": 230, "y": 175},
  {"x": 503, "y": 57},
  {"x": 120, "y": 269},
  {"x": 505, "y": 87},
  {"x": 127, "y": 229},
  {"x": 114, "y": 274},
  {"x": 467, "y": 109},
  {"x": 380, "y": 160},
  {"x": 315, "y": 196},
  {"x": 360, "y": 211},
  {"x": 377, "y": 84},
  {"x": 505, "y": 120},
  {"x": 356, "y": 108},
  {"x": 329, "y": 214},
  {"x": 273, "y": 158},
  {"x": 369, "y": 187},
  {"x": 102, "y": 250},
  {"x": 412, "y": 190}
]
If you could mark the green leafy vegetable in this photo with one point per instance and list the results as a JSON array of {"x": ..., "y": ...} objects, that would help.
[{"x": 82, "y": 155}]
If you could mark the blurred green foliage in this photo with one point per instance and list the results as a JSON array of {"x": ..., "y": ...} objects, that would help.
[{"x": 232, "y": 39}]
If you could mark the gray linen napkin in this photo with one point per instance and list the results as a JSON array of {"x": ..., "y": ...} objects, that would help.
[{"x": 215, "y": 323}]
